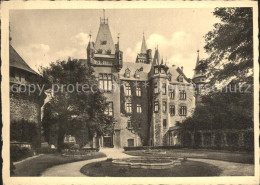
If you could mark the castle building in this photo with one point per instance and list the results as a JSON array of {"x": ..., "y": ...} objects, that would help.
[
  {"x": 199, "y": 79},
  {"x": 146, "y": 97},
  {"x": 24, "y": 107}
]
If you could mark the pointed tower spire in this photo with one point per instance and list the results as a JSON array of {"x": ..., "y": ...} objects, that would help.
[
  {"x": 156, "y": 59},
  {"x": 144, "y": 46},
  {"x": 196, "y": 74},
  {"x": 104, "y": 41}
]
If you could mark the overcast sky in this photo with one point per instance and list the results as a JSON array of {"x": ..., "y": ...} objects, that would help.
[{"x": 42, "y": 36}]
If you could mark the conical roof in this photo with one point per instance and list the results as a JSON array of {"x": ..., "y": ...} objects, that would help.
[
  {"x": 104, "y": 39},
  {"x": 156, "y": 58},
  {"x": 17, "y": 61},
  {"x": 144, "y": 46},
  {"x": 197, "y": 74}
]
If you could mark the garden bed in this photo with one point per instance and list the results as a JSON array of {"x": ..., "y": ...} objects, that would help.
[
  {"x": 35, "y": 166},
  {"x": 186, "y": 169}
]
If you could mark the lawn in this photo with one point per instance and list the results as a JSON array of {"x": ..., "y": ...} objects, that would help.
[
  {"x": 186, "y": 169},
  {"x": 35, "y": 166},
  {"x": 239, "y": 157}
]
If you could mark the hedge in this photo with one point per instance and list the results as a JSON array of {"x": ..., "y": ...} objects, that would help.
[
  {"x": 150, "y": 147},
  {"x": 17, "y": 153}
]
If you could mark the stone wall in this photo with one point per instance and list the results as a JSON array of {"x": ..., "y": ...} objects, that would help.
[
  {"x": 27, "y": 108},
  {"x": 24, "y": 108}
]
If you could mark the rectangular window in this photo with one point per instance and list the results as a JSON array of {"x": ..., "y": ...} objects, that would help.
[
  {"x": 156, "y": 70},
  {"x": 171, "y": 92},
  {"x": 164, "y": 106},
  {"x": 129, "y": 107},
  {"x": 129, "y": 124},
  {"x": 138, "y": 91},
  {"x": 130, "y": 142},
  {"x": 156, "y": 88},
  {"x": 105, "y": 82},
  {"x": 172, "y": 110},
  {"x": 156, "y": 106},
  {"x": 139, "y": 108},
  {"x": 162, "y": 71},
  {"x": 109, "y": 110},
  {"x": 182, "y": 95},
  {"x": 164, "y": 123},
  {"x": 128, "y": 90},
  {"x": 103, "y": 42},
  {"x": 164, "y": 89},
  {"x": 183, "y": 110}
]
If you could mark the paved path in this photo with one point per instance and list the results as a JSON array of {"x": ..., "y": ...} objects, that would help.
[{"x": 73, "y": 169}]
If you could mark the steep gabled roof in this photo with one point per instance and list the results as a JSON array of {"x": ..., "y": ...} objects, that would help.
[
  {"x": 104, "y": 40},
  {"x": 17, "y": 61}
]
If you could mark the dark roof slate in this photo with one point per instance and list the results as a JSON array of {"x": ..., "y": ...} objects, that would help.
[{"x": 17, "y": 61}]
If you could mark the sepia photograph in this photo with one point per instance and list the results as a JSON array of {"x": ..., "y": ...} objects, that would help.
[{"x": 115, "y": 91}]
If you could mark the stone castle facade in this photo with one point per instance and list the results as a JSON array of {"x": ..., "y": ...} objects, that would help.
[
  {"x": 24, "y": 106},
  {"x": 147, "y": 98}
]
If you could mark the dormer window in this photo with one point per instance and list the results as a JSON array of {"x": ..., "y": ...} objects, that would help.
[
  {"x": 109, "y": 51},
  {"x": 127, "y": 73},
  {"x": 156, "y": 71},
  {"x": 180, "y": 78},
  {"x": 99, "y": 51},
  {"x": 137, "y": 74}
]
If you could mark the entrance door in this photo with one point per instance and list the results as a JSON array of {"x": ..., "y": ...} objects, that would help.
[
  {"x": 117, "y": 138},
  {"x": 108, "y": 141},
  {"x": 130, "y": 142}
]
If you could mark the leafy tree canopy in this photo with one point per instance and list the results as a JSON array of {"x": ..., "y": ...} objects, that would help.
[
  {"x": 222, "y": 111},
  {"x": 230, "y": 46},
  {"x": 77, "y": 110}
]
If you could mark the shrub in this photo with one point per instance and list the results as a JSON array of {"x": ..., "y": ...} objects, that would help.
[
  {"x": 17, "y": 153},
  {"x": 45, "y": 150},
  {"x": 150, "y": 147}
]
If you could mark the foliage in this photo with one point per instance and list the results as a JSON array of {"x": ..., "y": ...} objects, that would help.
[
  {"x": 230, "y": 46},
  {"x": 74, "y": 110},
  {"x": 222, "y": 111},
  {"x": 24, "y": 131},
  {"x": 17, "y": 153}
]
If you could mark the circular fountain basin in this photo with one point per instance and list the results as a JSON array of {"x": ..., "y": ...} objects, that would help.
[{"x": 147, "y": 163}]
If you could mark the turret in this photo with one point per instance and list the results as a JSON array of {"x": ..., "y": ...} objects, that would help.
[
  {"x": 145, "y": 55},
  {"x": 90, "y": 50},
  {"x": 119, "y": 55},
  {"x": 159, "y": 80},
  {"x": 199, "y": 79}
]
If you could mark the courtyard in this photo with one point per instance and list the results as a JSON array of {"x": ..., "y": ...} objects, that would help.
[{"x": 193, "y": 163}]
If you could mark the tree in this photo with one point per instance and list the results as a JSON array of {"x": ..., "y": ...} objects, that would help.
[
  {"x": 222, "y": 111},
  {"x": 230, "y": 46},
  {"x": 73, "y": 102}
]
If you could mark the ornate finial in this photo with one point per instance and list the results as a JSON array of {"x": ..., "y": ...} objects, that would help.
[
  {"x": 104, "y": 14},
  {"x": 118, "y": 36},
  {"x": 198, "y": 50},
  {"x": 90, "y": 35}
]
